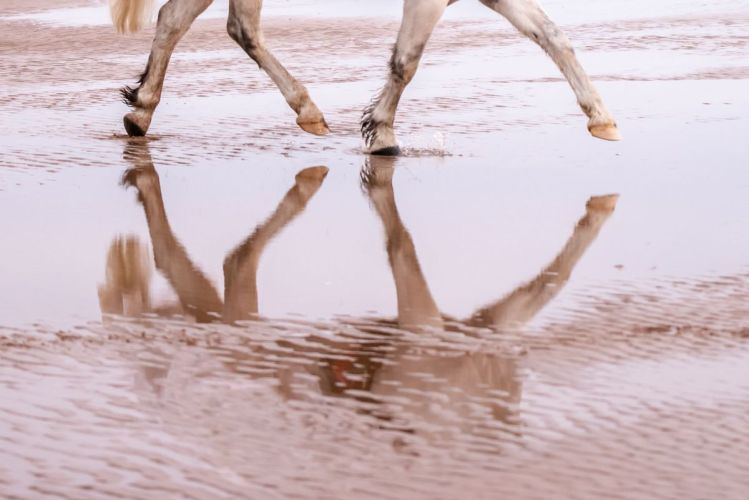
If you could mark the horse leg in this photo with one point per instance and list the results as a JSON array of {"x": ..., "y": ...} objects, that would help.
[
  {"x": 419, "y": 19},
  {"x": 195, "y": 291},
  {"x": 128, "y": 278},
  {"x": 416, "y": 306},
  {"x": 530, "y": 19},
  {"x": 175, "y": 18},
  {"x": 240, "y": 266},
  {"x": 527, "y": 300},
  {"x": 244, "y": 28}
]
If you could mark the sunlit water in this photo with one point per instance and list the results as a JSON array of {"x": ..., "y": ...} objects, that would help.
[{"x": 230, "y": 309}]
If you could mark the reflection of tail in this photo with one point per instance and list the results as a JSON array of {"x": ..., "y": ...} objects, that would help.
[
  {"x": 130, "y": 15},
  {"x": 128, "y": 276},
  {"x": 240, "y": 266},
  {"x": 196, "y": 293},
  {"x": 525, "y": 302},
  {"x": 416, "y": 307}
]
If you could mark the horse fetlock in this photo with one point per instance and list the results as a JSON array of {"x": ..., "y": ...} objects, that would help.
[
  {"x": 147, "y": 101},
  {"x": 145, "y": 180},
  {"x": 381, "y": 141}
]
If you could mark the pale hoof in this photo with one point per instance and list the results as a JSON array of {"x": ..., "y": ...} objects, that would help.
[
  {"x": 606, "y": 203},
  {"x": 316, "y": 127},
  {"x": 607, "y": 132},
  {"x": 136, "y": 125}
]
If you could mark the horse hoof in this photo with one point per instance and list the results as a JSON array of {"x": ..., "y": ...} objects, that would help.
[
  {"x": 606, "y": 132},
  {"x": 388, "y": 151},
  {"x": 132, "y": 127},
  {"x": 315, "y": 128},
  {"x": 606, "y": 203},
  {"x": 313, "y": 174},
  {"x": 309, "y": 180}
]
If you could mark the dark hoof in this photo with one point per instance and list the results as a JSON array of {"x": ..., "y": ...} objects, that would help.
[
  {"x": 389, "y": 151},
  {"x": 132, "y": 128}
]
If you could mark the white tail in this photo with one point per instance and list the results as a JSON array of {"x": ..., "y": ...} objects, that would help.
[{"x": 129, "y": 16}]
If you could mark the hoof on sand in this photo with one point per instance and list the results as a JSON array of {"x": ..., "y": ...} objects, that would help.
[
  {"x": 315, "y": 128},
  {"x": 388, "y": 151},
  {"x": 606, "y": 132},
  {"x": 132, "y": 127}
]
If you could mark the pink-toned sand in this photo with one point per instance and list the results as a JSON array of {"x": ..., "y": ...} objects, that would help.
[{"x": 631, "y": 382}]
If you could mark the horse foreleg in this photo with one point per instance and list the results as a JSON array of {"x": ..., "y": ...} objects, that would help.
[
  {"x": 195, "y": 291},
  {"x": 416, "y": 306},
  {"x": 240, "y": 266},
  {"x": 526, "y": 301},
  {"x": 175, "y": 18},
  {"x": 530, "y": 19},
  {"x": 419, "y": 19},
  {"x": 244, "y": 28}
]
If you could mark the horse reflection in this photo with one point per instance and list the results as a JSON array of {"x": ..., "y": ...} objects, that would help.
[
  {"x": 372, "y": 368},
  {"x": 197, "y": 295},
  {"x": 416, "y": 307},
  {"x": 473, "y": 375}
]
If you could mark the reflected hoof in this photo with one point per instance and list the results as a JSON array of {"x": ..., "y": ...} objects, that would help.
[
  {"x": 608, "y": 132},
  {"x": 312, "y": 174},
  {"x": 308, "y": 181},
  {"x": 606, "y": 203},
  {"x": 388, "y": 151},
  {"x": 319, "y": 127},
  {"x": 135, "y": 126}
]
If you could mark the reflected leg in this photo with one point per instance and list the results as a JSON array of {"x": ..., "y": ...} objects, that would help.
[
  {"x": 126, "y": 289},
  {"x": 416, "y": 307},
  {"x": 526, "y": 301},
  {"x": 196, "y": 293},
  {"x": 530, "y": 19},
  {"x": 240, "y": 266},
  {"x": 175, "y": 18},
  {"x": 244, "y": 28},
  {"x": 419, "y": 19}
]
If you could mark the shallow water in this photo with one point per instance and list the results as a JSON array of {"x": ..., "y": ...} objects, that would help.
[{"x": 232, "y": 309}]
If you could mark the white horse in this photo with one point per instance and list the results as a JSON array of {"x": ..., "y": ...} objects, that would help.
[{"x": 419, "y": 20}]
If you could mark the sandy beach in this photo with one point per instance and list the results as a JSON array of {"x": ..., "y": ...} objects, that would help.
[{"x": 588, "y": 302}]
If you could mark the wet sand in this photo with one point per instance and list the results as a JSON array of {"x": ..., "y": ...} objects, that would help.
[{"x": 231, "y": 308}]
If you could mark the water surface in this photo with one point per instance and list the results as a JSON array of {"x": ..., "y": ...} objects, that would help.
[{"x": 232, "y": 309}]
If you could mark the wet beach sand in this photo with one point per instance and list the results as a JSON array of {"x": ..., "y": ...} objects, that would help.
[{"x": 231, "y": 308}]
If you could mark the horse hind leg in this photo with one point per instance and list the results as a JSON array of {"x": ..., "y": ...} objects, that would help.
[
  {"x": 243, "y": 27},
  {"x": 526, "y": 301},
  {"x": 196, "y": 293},
  {"x": 530, "y": 19},
  {"x": 419, "y": 20},
  {"x": 175, "y": 18},
  {"x": 241, "y": 264},
  {"x": 416, "y": 305}
]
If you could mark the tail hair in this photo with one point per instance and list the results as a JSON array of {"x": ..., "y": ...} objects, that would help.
[{"x": 130, "y": 16}]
